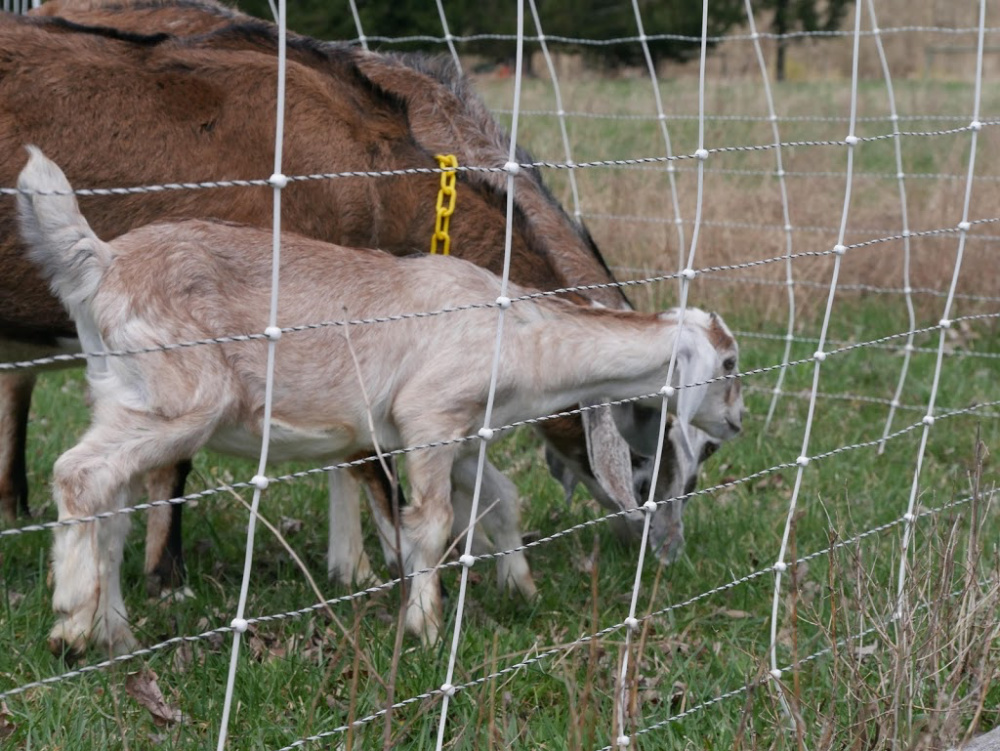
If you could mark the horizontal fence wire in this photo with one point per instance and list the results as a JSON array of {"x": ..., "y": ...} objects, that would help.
[
  {"x": 590, "y": 164},
  {"x": 368, "y": 591},
  {"x": 843, "y": 348},
  {"x": 715, "y": 273}
]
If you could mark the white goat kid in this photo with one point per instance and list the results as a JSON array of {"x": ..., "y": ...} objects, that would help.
[{"x": 426, "y": 379}]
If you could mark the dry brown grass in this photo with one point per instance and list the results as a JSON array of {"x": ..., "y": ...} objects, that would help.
[{"x": 629, "y": 209}]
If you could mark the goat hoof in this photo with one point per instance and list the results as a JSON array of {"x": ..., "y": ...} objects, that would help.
[
  {"x": 167, "y": 574},
  {"x": 70, "y": 649}
]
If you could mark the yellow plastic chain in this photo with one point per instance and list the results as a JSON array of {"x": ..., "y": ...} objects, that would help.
[{"x": 445, "y": 204}]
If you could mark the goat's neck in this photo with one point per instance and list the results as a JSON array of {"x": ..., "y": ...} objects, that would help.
[{"x": 602, "y": 354}]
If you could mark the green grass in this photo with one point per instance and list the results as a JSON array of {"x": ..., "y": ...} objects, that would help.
[{"x": 301, "y": 676}]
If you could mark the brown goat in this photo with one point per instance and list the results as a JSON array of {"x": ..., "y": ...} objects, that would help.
[{"x": 197, "y": 99}]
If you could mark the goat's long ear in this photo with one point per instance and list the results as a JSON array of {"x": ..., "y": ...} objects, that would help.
[
  {"x": 610, "y": 459},
  {"x": 639, "y": 425},
  {"x": 692, "y": 367}
]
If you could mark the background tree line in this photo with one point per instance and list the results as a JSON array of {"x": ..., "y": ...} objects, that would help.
[{"x": 574, "y": 19}]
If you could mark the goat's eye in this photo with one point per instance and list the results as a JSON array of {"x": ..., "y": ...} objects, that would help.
[{"x": 729, "y": 364}]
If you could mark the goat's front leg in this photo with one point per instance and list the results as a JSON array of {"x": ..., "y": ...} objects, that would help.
[
  {"x": 502, "y": 522},
  {"x": 346, "y": 560},
  {"x": 425, "y": 525}
]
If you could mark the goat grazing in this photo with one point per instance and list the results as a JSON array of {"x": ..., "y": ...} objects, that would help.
[
  {"x": 425, "y": 380},
  {"x": 349, "y": 110}
]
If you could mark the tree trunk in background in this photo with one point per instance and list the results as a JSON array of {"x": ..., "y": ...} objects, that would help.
[{"x": 780, "y": 27}]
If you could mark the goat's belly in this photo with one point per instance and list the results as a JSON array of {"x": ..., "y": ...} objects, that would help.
[{"x": 287, "y": 443}]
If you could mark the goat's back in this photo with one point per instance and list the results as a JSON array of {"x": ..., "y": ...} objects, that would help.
[
  {"x": 192, "y": 280},
  {"x": 156, "y": 109}
]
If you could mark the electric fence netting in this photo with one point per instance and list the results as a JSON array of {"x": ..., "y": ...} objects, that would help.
[{"x": 840, "y": 576}]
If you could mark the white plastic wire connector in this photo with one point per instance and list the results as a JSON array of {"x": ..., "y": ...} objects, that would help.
[
  {"x": 975, "y": 125},
  {"x": 277, "y": 180},
  {"x": 631, "y": 623},
  {"x": 467, "y": 560},
  {"x": 239, "y": 625},
  {"x": 944, "y": 323},
  {"x": 776, "y": 674},
  {"x": 623, "y": 741},
  {"x": 964, "y": 226},
  {"x": 802, "y": 461},
  {"x": 779, "y": 173},
  {"x": 448, "y": 689},
  {"x": 503, "y": 301},
  {"x": 650, "y": 506},
  {"x": 689, "y": 274},
  {"x": 272, "y": 333},
  {"x": 851, "y": 140},
  {"x": 512, "y": 168},
  {"x": 781, "y": 567},
  {"x": 260, "y": 482},
  {"x": 909, "y": 518},
  {"x": 819, "y": 355},
  {"x": 839, "y": 249},
  {"x": 701, "y": 154},
  {"x": 486, "y": 434},
  {"x": 928, "y": 420},
  {"x": 668, "y": 392}
]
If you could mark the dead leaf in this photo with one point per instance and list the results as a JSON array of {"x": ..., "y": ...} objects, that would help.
[
  {"x": 731, "y": 613},
  {"x": 7, "y": 726},
  {"x": 290, "y": 526},
  {"x": 865, "y": 650},
  {"x": 142, "y": 687}
]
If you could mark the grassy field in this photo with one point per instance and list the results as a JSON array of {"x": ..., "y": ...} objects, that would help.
[{"x": 864, "y": 684}]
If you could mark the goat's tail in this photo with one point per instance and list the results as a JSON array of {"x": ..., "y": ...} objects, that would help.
[{"x": 71, "y": 257}]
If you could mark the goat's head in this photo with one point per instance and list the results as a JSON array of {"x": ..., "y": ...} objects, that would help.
[{"x": 708, "y": 392}]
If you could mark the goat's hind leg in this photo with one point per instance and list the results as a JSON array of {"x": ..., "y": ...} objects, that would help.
[
  {"x": 99, "y": 475},
  {"x": 164, "y": 543},
  {"x": 15, "y": 400}
]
